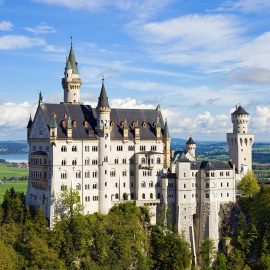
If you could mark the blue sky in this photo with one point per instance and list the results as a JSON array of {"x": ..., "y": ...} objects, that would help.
[{"x": 197, "y": 59}]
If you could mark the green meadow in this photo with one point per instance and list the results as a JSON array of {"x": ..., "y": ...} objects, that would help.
[{"x": 6, "y": 172}]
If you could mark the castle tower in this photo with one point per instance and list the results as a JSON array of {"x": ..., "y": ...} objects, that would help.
[
  {"x": 240, "y": 141},
  {"x": 103, "y": 129},
  {"x": 167, "y": 146},
  {"x": 191, "y": 147},
  {"x": 71, "y": 82}
]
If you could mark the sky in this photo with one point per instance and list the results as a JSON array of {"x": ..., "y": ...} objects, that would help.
[{"x": 197, "y": 59}]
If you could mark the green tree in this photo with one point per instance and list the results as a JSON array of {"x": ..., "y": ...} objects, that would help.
[
  {"x": 9, "y": 259},
  {"x": 249, "y": 185},
  {"x": 68, "y": 204},
  {"x": 169, "y": 250},
  {"x": 207, "y": 253},
  {"x": 221, "y": 262}
]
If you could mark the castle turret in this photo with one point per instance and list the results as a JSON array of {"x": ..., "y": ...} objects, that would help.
[
  {"x": 191, "y": 147},
  {"x": 240, "y": 141},
  {"x": 103, "y": 130},
  {"x": 71, "y": 82},
  {"x": 29, "y": 125},
  {"x": 166, "y": 146}
]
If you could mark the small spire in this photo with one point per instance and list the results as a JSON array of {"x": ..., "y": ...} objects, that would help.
[
  {"x": 158, "y": 108},
  {"x": 158, "y": 124},
  {"x": 103, "y": 99},
  {"x": 71, "y": 41},
  {"x": 30, "y": 121},
  {"x": 40, "y": 98},
  {"x": 166, "y": 130},
  {"x": 125, "y": 123},
  {"x": 69, "y": 126},
  {"x": 53, "y": 122},
  {"x": 72, "y": 59}
]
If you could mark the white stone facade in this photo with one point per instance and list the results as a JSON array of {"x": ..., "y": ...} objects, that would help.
[{"x": 111, "y": 156}]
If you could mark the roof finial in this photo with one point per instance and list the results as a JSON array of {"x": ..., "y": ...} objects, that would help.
[
  {"x": 40, "y": 98},
  {"x": 71, "y": 41},
  {"x": 102, "y": 77}
]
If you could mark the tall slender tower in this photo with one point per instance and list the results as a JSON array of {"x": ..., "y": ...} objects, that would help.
[
  {"x": 240, "y": 141},
  {"x": 166, "y": 146},
  {"x": 103, "y": 129},
  {"x": 71, "y": 82}
]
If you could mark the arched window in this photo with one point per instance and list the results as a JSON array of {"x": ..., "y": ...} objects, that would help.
[
  {"x": 112, "y": 173},
  {"x": 158, "y": 160},
  {"x": 143, "y": 160},
  {"x": 78, "y": 174},
  {"x": 143, "y": 196},
  {"x": 143, "y": 184},
  {"x": 116, "y": 196},
  {"x": 64, "y": 162},
  {"x": 87, "y": 174},
  {"x": 95, "y": 186},
  {"x": 95, "y": 174},
  {"x": 151, "y": 184},
  {"x": 74, "y": 162},
  {"x": 78, "y": 186},
  {"x": 124, "y": 173},
  {"x": 63, "y": 149},
  {"x": 151, "y": 195}
]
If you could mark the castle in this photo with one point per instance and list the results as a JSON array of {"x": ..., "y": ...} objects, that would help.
[{"x": 111, "y": 156}]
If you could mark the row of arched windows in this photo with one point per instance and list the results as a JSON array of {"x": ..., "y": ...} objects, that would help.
[
  {"x": 143, "y": 184},
  {"x": 150, "y": 161}
]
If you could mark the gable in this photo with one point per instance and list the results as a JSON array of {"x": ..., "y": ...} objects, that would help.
[{"x": 39, "y": 128}]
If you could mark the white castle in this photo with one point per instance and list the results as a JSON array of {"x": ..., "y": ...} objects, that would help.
[{"x": 112, "y": 156}]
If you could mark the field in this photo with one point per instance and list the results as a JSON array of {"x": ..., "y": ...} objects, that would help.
[
  {"x": 7, "y": 171},
  {"x": 18, "y": 186}
]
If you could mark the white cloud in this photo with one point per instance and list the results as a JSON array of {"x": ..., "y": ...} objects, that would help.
[
  {"x": 210, "y": 43},
  {"x": 254, "y": 75},
  {"x": 140, "y": 8},
  {"x": 12, "y": 42},
  {"x": 6, "y": 26},
  {"x": 41, "y": 29},
  {"x": 15, "y": 115},
  {"x": 247, "y": 5}
]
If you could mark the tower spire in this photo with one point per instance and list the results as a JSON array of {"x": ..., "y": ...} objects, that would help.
[
  {"x": 71, "y": 82},
  {"x": 103, "y": 99}
]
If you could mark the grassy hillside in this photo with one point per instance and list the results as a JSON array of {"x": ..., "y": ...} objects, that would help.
[
  {"x": 7, "y": 171},
  {"x": 19, "y": 186}
]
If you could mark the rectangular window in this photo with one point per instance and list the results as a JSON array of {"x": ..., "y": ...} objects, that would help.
[
  {"x": 95, "y": 198},
  {"x": 94, "y": 148}
]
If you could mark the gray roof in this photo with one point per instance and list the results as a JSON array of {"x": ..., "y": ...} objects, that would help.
[
  {"x": 166, "y": 130},
  {"x": 210, "y": 165},
  {"x": 103, "y": 99},
  {"x": 190, "y": 141},
  {"x": 72, "y": 60},
  {"x": 82, "y": 113},
  {"x": 30, "y": 122},
  {"x": 240, "y": 111}
]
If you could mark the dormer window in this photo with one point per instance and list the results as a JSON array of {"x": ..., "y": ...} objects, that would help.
[
  {"x": 122, "y": 124},
  {"x": 85, "y": 124},
  {"x": 74, "y": 124},
  {"x": 154, "y": 124},
  {"x": 144, "y": 124},
  {"x": 112, "y": 124},
  {"x": 65, "y": 116}
]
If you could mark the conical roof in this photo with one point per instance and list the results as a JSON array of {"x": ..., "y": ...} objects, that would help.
[
  {"x": 30, "y": 122},
  {"x": 72, "y": 61},
  {"x": 68, "y": 65},
  {"x": 240, "y": 111},
  {"x": 190, "y": 141},
  {"x": 103, "y": 99},
  {"x": 166, "y": 130}
]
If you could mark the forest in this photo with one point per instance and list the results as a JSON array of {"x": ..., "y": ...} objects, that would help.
[{"x": 125, "y": 239}]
